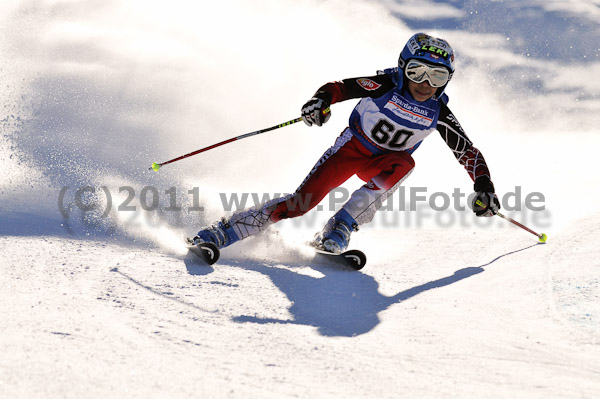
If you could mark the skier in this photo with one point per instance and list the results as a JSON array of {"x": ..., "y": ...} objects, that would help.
[{"x": 399, "y": 107}]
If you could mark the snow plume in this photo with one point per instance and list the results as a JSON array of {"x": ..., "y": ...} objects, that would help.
[{"x": 103, "y": 89}]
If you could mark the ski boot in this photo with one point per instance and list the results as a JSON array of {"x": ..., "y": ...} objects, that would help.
[
  {"x": 221, "y": 234},
  {"x": 335, "y": 236}
]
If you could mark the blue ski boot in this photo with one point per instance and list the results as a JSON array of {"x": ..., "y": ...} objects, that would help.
[
  {"x": 221, "y": 234},
  {"x": 335, "y": 236}
]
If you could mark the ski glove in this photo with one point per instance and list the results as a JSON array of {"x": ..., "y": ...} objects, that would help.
[
  {"x": 485, "y": 202},
  {"x": 316, "y": 111}
]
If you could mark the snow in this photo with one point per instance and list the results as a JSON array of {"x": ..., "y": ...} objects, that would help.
[{"x": 101, "y": 299}]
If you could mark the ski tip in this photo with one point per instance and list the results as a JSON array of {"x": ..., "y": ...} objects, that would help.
[
  {"x": 355, "y": 258},
  {"x": 211, "y": 252},
  {"x": 208, "y": 251}
]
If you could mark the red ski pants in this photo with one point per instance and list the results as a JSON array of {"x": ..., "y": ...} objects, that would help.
[{"x": 348, "y": 157}]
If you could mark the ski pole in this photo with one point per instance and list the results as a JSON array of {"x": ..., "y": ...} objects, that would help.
[
  {"x": 156, "y": 166},
  {"x": 542, "y": 237}
]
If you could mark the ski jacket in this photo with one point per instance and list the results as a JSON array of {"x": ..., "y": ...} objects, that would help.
[{"x": 387, "y": 119}]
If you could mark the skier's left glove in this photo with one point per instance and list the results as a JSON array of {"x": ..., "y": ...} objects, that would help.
[
  {"x": 486, "y": 201},
  {"x": 316, "y": 111}
]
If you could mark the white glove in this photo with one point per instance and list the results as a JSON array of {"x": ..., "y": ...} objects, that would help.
[{"x": 316, "y": 111}]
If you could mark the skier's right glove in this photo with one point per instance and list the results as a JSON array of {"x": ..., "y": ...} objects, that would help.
[
  {"x": 316, "y": 111},
  {"x": 486, "y": 201}
]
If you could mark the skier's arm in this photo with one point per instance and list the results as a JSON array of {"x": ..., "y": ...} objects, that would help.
[
  {"x": 485, "y": 202},
  {"x": 316, "y": 110},
  {"x": 370, "y": 86},
  {"x": 467, "y": 155}
]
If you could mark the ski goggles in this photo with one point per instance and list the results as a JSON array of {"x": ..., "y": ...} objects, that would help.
[{"x": 419, "y": 72}]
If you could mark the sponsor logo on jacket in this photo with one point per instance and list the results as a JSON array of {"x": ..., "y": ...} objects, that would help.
[
  {"x": 368, "y": 84},
  {"x": 411, "y": 112}
]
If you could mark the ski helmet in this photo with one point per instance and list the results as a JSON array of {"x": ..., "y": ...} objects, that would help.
[{"x": 429, "y": 49}]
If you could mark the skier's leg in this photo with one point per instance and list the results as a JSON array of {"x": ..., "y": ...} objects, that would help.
[
  {"x": 241, "y": 224},
  {"x": 337, "y": 164},
  {"x": 384, "y": 175}
]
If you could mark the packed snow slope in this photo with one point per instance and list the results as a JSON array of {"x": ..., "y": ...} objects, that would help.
[{"x": 101, "y": 299}]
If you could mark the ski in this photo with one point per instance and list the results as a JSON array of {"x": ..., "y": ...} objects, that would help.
[
  {"x": 207, "y": 251},
  {"x": 352, "y": 258}
]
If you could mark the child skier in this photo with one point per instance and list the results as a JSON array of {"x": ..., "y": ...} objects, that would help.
[{"x": 399, "y": 108}]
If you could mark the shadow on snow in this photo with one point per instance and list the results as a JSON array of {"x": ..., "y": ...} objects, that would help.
[{"x": 342, "y": 303}]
